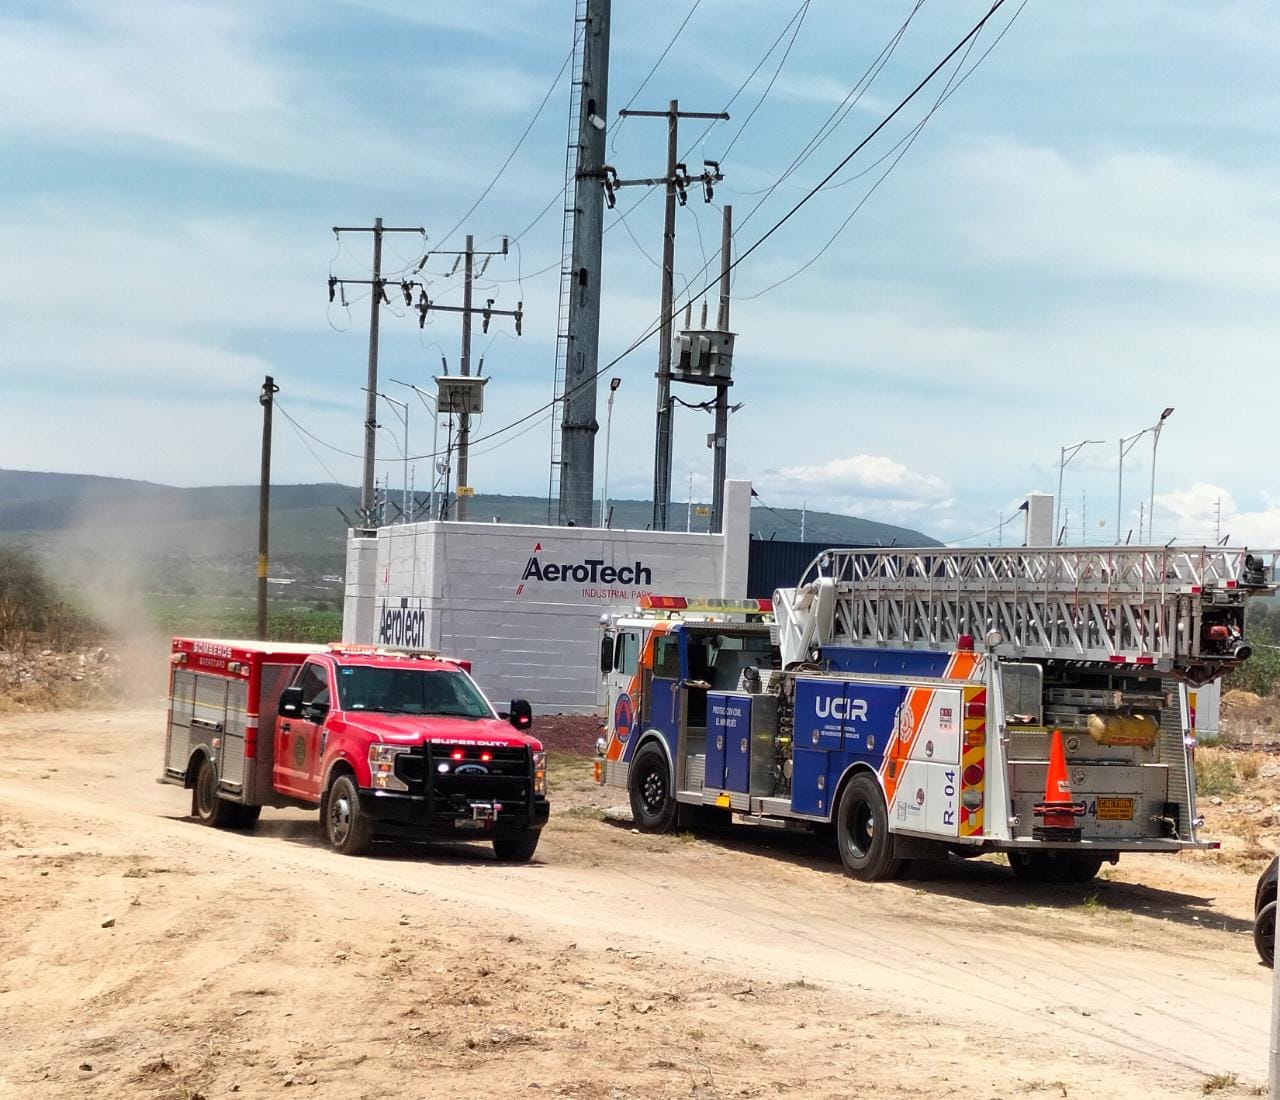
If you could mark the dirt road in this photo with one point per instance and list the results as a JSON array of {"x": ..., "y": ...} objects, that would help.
[{"x": 144, "y": 955}]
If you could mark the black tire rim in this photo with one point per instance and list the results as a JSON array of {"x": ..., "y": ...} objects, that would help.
[
  {"x": 339, "y": 815},
  {"x": 1267, "y": 933},
  {"x": 861, "y": 825},
  {"x": 205, "y": 793},
  {"x": 653, "y": 789}
]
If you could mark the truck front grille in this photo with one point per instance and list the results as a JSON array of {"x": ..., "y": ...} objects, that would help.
[{"x": 456, "y": 775}]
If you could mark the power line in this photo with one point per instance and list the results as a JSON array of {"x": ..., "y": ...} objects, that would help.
[
  {"x": 905, "y": 144},
  {"x": 653, "y": 69},
  {"x": 799, "y": 22},
  {"x": 516, "y": 148},
  {"x": 728, "y": 103},
  {"x": 657, "y": 326}
]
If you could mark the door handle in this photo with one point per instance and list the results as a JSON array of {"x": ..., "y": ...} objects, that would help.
[{"x": 285, "y": 727}]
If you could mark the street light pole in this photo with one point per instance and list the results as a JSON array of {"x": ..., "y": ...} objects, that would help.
[
  {"x": 1127, "y": 444},
  {"x": 402, "y": 411},
  {"x": 614, "y": 383},
  {"x": 1065, "y": 455},
  {"x": 428, "y": 402},
  {"x": 1155, "y": 442}
]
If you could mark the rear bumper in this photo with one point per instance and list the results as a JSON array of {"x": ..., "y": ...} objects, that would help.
[
  {"x": 395, "y": 812},
  {"x": 1098, "y": 846}
]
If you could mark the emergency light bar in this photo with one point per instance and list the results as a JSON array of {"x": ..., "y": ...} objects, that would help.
[{"x": 706, "y": 605}]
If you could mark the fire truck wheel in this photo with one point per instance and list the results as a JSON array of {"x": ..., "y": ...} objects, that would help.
[
  {"x": 518, "y": 848},
  {"x": 862, "y": 831},
  {"x": 652, "y": 806},
  {"x": 345, "y": 825},
  {"x": 1264, "y": 933},
  {"x": 1080, "y": 868},
  {"x": 205, "y": 803}
]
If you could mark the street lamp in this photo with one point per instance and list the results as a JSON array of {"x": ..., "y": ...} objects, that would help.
[
  {"x": 1155, "y": 442},
  {"x": 402, "y": 411},
  {"x": 1126, "y": 445},
  {"x": 614, "y": 383},
  {"x": 1065, "y": 455},
  {"x": 429, "y": 403}
]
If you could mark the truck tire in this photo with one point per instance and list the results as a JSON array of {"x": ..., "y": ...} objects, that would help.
[
  {"x": 517, "y": 848},
  {"x": 653, "y": 807},
  {"x": 1035, "y": 866},
  {"x": 1054, "y": 866},
  {"x": 207, "y": 805},
  {"x": 345, "y": 826},
  {"x": 1264, "y": 933},
  {"x": 862, "y": 831},
  {"x": 1081, "y": 868}
]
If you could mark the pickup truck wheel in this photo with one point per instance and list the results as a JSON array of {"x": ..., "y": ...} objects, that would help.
[
  {"x": 652, "y": 806},
  {"x": 862, "y": 831},
  {"x": 1264, "y": 933},
  {"x": 518, "y": 848},
  {"x": 206, "y": 805},
  {"x": 345, "y": 825}
]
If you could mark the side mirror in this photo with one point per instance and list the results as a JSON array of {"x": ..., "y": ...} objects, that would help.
[
  {"x": 606, "y": 655},
  {"x": 521, "y": 714},
  {"x": 290, "y": 703}
]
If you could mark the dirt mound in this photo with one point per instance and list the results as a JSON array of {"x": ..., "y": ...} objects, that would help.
[{"x": 1241, "y": 700}]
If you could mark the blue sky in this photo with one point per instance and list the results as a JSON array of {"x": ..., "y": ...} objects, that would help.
[{"x": 1085, "y": 232}]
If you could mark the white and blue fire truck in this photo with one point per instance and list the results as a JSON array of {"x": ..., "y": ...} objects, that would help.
[{"x": 908, "y": 698}]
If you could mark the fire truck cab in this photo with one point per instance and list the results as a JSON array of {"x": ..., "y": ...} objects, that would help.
[{"x": 381, "y": 743}]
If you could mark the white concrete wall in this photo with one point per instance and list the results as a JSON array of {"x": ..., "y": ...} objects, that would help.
[
  {"x": 357, "y": 599},
  {"x": 493, "y": 593}
]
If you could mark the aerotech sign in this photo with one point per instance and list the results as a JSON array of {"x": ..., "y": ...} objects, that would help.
[{"x": 593, "y": 578}]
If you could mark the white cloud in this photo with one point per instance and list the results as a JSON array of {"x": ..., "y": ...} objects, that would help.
[
  {"x": 857, "y": 484},
  {"x": 1201, "y": 510},
  {"x": 195, "y": 79},
  {"x": 1120, "y": 213}
]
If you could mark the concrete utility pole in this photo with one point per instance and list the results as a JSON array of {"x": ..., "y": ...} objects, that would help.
[
  {"x": 720, "y": 455},
  {"x": 578, "y": 425},
  {"x": 464, "y": 428},
  {"x": 377, "y": 296},
  {"x": 267, "y": 400},
  {"x": 676, "y": 181}
]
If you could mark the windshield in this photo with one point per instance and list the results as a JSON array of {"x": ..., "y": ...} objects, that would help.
[{"x": 411, "y": 691}]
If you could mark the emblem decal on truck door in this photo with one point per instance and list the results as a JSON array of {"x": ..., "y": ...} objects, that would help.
[{"x": 299, "y": 751}]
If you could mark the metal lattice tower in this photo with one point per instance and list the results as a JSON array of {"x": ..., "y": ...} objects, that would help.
[
  {"x": 566, "y": 255},
  {"x": 1179, "y": 610}
]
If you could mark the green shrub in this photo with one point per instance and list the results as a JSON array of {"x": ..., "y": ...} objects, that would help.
[
  {"x": 32, "y": 609},
  {"x": 1215, "y": 774}
]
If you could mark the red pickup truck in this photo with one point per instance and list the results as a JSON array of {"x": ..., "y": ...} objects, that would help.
[{"x": 383, "y": 744}]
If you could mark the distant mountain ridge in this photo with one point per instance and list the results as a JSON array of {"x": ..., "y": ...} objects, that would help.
[{"x": 308, "y": 519}]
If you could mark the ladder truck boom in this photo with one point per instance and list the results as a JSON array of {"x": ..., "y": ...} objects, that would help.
[{"x": 1176, "y": 610}]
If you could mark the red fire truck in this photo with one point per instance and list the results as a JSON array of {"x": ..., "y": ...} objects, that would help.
[{"x": 381, "y": 743}]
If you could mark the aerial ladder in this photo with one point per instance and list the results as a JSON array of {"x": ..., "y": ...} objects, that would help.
[{"x": 1176, "y": 611}]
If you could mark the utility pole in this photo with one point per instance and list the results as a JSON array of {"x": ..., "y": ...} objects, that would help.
[
  {"x": 426, "y": 305},
  {"x": 720, "y": 455},
  {"x": 464, "y": 429},
  {"x": 578, "y": 425},
  {"x": 676, "y": 181},
  {"x": 267, "y": 400},
  {"x": 377, "y": 297}
]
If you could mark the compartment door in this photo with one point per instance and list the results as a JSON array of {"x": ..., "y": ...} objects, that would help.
[{"x": 737, "y": 747}]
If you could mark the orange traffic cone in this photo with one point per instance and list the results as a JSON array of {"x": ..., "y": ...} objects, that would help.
[{"x": 1058, "y": 811}]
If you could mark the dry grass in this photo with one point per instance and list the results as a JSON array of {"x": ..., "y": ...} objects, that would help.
[
  {"x": 1249, "y": 765},
  {"x": 1215, "y": 773}
]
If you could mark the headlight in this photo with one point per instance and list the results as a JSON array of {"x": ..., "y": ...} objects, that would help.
[
  {"x": 540, "y": 773},
  {"x": 382, "y": 767}
]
